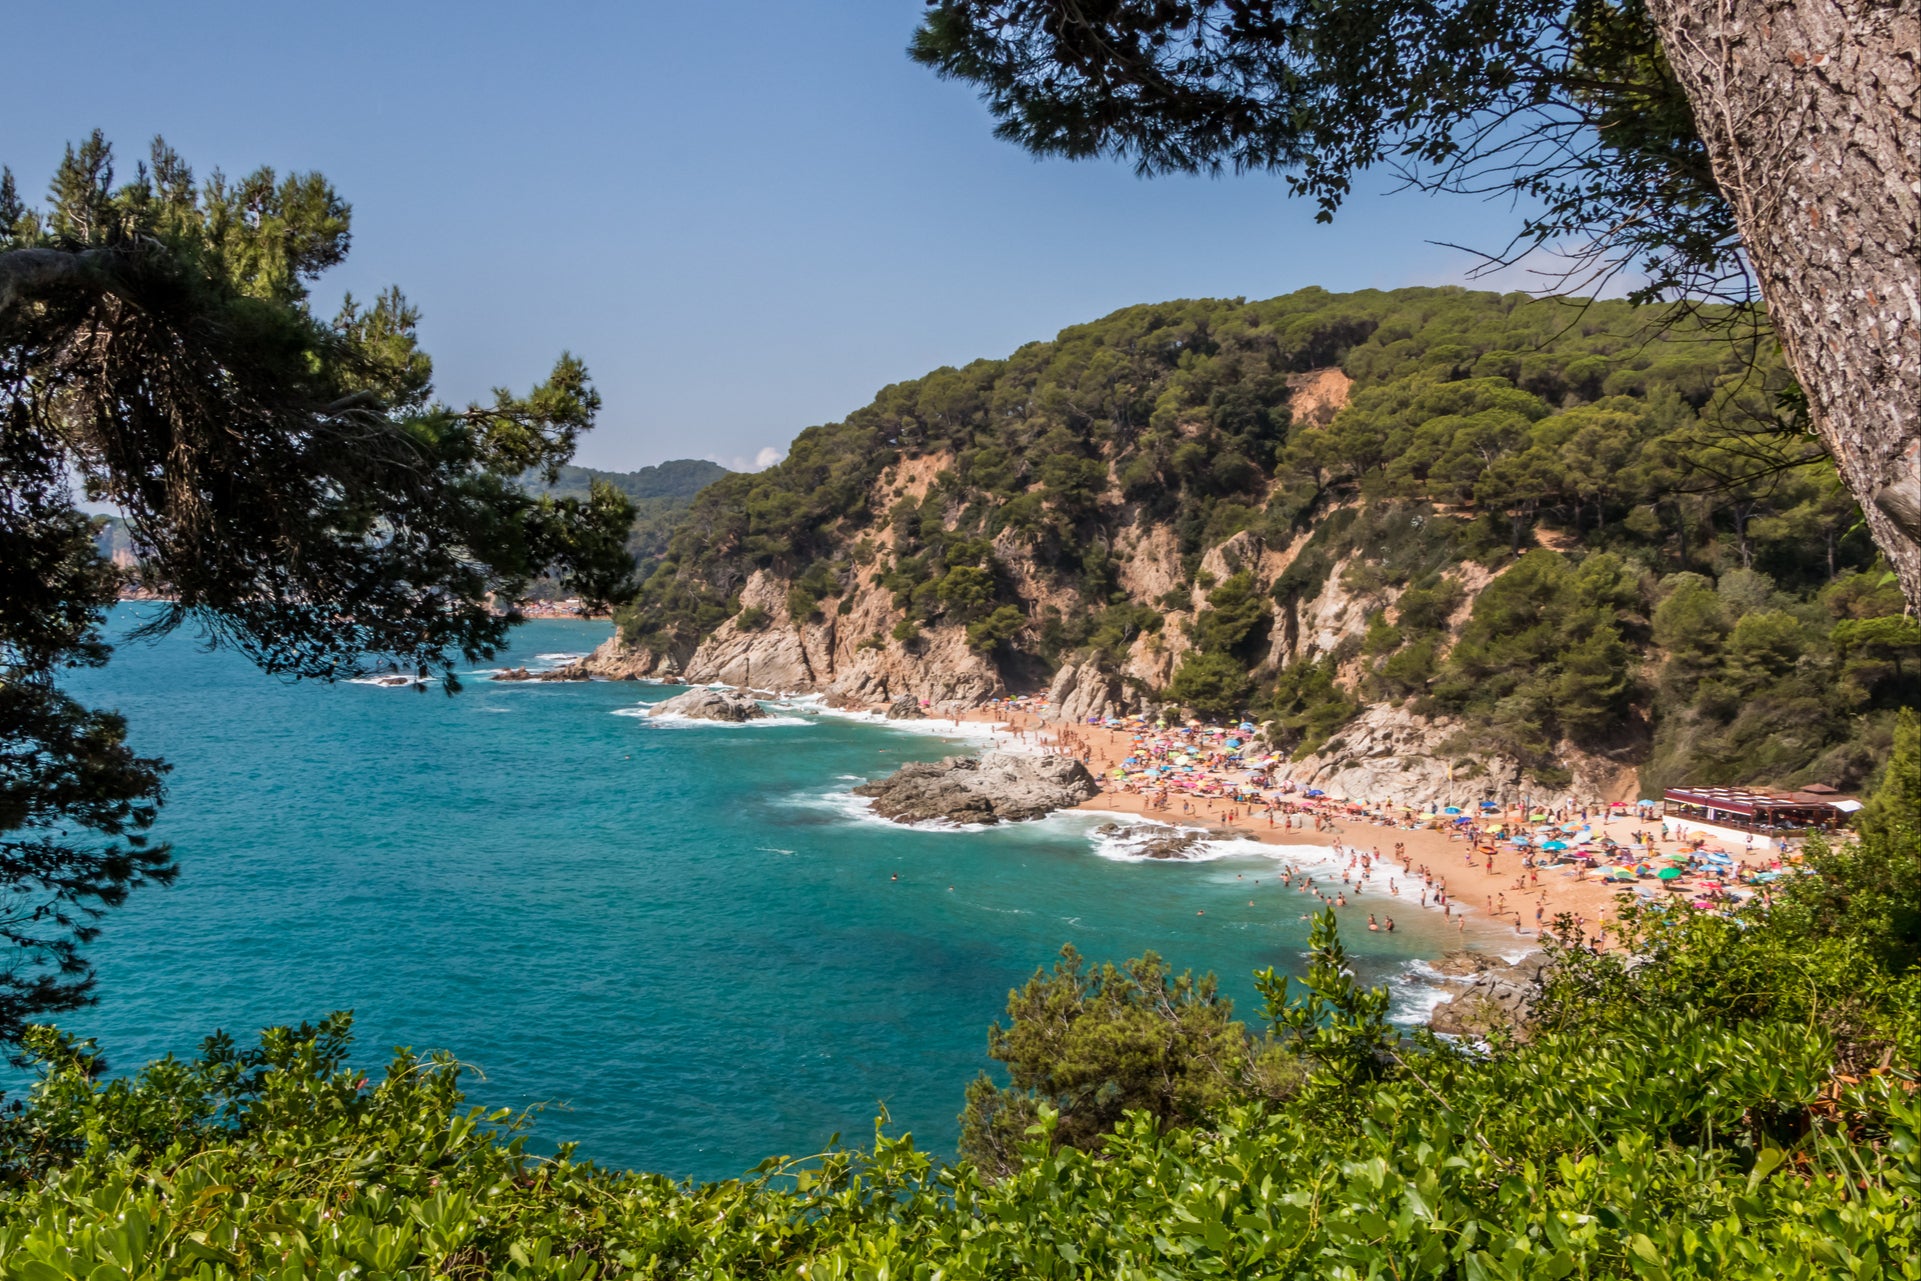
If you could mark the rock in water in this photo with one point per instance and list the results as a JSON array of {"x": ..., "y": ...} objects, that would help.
[
  {"x": 996, "y": 787},
  {"x": 565, "y": 672},
  {"x": 906, "y": 708},
  {"x": 1497, "y": 996},
  {"x": 1156, "y": 840},
  {"x": 710, "y": 705}
]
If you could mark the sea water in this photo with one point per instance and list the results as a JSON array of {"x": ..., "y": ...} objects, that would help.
[{"x": 688, "y": 943}]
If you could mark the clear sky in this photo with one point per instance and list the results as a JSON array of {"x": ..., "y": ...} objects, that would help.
[{"x": 746, "y": 217}]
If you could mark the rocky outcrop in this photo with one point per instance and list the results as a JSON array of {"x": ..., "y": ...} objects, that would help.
[
  {"x": 565, "y": 672},
  {"x": 905, "y": 708},
  {"x": 1083, "y": 690},
  {"x": 615, "y": 660},
  {"x": 1152, "y": 840},
  {"x": 1388, "y": 753},
  {"x": 1494, "y": 995},
  {"x": 996, "y": 787},
  {"x": 850, "y": 657},
  {"x": 710, "y": 705}
]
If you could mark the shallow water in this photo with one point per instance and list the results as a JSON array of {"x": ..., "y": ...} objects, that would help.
[{"x": 686, "y": 937}]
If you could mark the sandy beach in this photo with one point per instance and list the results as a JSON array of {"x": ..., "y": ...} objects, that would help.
[{"x": 1501, "y": 892}]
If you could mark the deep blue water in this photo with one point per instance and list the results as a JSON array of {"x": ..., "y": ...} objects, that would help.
[{"x": 682, "y": 939}]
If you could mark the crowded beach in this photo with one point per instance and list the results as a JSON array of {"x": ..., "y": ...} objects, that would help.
[{"x": 1532, "y": 866}]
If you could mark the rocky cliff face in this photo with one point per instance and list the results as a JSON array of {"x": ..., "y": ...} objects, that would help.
[{"x": 835, "y": 653}]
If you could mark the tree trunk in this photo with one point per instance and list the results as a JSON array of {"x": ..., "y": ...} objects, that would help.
[{"x": 1811, "y": 114}]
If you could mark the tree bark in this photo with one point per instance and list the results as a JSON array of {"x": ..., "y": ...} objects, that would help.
[{"x": 1811, "y": 114}]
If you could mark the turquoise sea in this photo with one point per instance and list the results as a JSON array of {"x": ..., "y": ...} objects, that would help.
[{"x": 686, "y": 941}]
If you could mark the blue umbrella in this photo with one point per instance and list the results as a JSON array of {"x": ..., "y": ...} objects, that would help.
[
  {"x": 1314, "y": 791},
  {"x": 1452, "y": 809},
  {"x": 1553, "y": 845}
]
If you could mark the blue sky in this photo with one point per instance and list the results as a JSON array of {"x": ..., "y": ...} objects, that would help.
[{"x": 746, "y": 217}]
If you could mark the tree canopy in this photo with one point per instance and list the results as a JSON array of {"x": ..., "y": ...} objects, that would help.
[
  {"x": 289, "y": 483},
  {"x": 1569, "y": 105}
]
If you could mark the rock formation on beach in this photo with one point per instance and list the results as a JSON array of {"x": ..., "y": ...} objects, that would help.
[
  {"x": 710, "y": 705},
  {"x": 1496, "y": 993},
  {"x": 996, "y": 787}
]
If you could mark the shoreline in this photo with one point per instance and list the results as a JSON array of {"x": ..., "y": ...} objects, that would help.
[
  {"x": 1489, "y": 901},
  {"x": 1507, "y": 898}
]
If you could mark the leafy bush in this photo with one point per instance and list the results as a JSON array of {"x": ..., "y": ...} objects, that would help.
[{"x": 1214, "y": 685}]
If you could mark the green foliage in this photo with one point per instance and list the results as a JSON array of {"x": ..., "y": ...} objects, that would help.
[
  {"x": 1760, "y": 684},
  {"x": 1338, "y": 1026},
  {"x": 1235, "y": 618},
  {"x": 1308, "y": 706},
  {"x": 660, "y": 494},
  {"x": 1543, "y": 654},
  {"x": 1088, "y": 1046},
  {"x": 1216, "y": 686},
  {"x": 998, "y": 628}
]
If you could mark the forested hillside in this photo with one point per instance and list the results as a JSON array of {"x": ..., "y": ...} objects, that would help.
[
  {"x": 1559, "y": 532},
  {"x": 660, "y": 494}
]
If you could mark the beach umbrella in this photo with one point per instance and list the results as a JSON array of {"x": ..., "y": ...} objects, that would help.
[
  {"x": 1452, "y": 809},
  {"x": 1670, "y": 873},
  {"x": 1553, "y": 845}
]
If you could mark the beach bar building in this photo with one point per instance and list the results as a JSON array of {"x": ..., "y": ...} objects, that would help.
[{"x": 1816, "y": 807}]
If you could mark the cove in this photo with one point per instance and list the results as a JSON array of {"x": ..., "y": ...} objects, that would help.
[{"x": 684, "y": 942}]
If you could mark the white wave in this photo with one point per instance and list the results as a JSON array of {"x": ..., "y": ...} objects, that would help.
[
  {"x": 674, "y": 720},
  {"x": 1413, "y": 996},
  {"x": 771, "y": 849},
  {"x": 935, "y": 726},
  {"x": 1126, "y": 846},
  {"x": 390, "y": 680},
  {"x": 860, "y": 809},
  {"x": 558, "y": 660}
]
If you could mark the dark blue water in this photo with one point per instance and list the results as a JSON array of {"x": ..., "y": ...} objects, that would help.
[{"x": 683, "y": 938}]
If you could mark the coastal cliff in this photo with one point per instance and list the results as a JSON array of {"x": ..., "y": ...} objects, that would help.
[{"x": 1422, "y": 539}]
